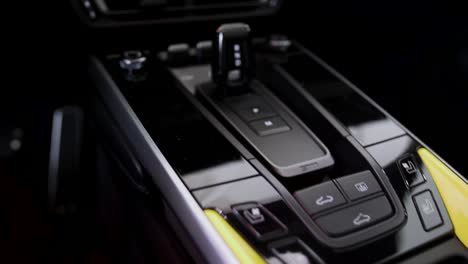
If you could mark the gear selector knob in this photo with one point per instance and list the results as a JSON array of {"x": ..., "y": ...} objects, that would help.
[{"x": 232, "y": 66}]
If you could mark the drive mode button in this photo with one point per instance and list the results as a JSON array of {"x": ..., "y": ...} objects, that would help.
[
  {"x": 320, "y": 197},
  {"x": 355, "y": 217}
]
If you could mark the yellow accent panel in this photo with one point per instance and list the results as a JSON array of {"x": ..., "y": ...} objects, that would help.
[
  {"x": 241, "y": 249},
  {"x": 454, "y": 192}
]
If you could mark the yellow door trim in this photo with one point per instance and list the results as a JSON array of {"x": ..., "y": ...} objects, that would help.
[
  {"x": 241, "y": 249},
  {"x": 454, "y": 192}
]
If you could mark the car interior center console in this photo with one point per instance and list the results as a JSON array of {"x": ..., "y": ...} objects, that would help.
[{"x": 259, "y": 144}]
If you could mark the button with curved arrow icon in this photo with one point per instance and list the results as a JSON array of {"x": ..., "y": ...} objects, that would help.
[
  {"x": 320, "y": 197},
  {"x": 355, "y": 217},
  {"x": 361, "y": 219},
  {"x": 324, "y": 200}
]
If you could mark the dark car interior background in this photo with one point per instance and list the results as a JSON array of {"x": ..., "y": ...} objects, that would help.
[{"x": 222, "y": 131}]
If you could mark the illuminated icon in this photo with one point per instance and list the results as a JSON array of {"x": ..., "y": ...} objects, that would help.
[
  {"x": 427, "y": 207},
  {"x": 361, "y": 187},
  {"x": 409, "y": 166},
  {"x": 236, "y": 47},
  {"x": 324, "y": 200},
  {"x": 268, "y": 123},
  {"x": 254, "y": 215},
  {"x": 361, "y": 219},
  {"x": 255, "y": 110}
]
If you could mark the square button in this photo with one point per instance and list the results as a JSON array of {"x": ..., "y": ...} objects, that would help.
[
  {"x": 259, "y": 221},
  {"x": 428, "y": 210},
  {"x": 251, "y": 107},
  {"x": 320, "y": 197},
  {"x": 411, "y": 174},
  {"x": 359, "y": 185},
  {"x": 269, "y": 126},
  {"x": 255, "y": 112}
]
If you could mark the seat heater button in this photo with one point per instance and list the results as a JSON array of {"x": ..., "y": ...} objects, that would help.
[
  {"x": 355, "y": 217},
  {"x": 411, "y": 174},
  {"x": 427, "y": 209}
]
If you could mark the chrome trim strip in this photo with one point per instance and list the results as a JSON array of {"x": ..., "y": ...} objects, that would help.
[
  {"x": 54, "y": 156},
  {"x": 209, "y": 242}
]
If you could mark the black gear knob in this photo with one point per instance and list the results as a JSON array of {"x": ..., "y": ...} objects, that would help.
[{"x": 232, "y": 67}]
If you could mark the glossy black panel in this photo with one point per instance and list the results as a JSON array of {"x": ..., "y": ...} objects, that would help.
[
  {"x": 183, "y": 133},
  {"x": 192, "y": 145},
  {"x": 227, "y": 171},
  {"x": 366, "y": 123},
  {"x": 224, "y": 196}
]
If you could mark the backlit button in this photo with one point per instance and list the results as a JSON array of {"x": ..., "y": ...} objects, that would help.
[
  {"x": 319, "y": 198},
  {"x": 355, "y": 217},
  {"x": 428, "y": 211},
  {"x": 359, "y": 185},
  {"x": 411, "y": 174},
  {"x": 259, "y": 221},
  {"x": 269, "y": 126},
  {"x": 255, "y": 112},
  {"x": 251, "y": 107}
]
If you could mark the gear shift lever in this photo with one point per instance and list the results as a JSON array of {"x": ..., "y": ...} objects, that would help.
[{"x": 232, "y": 66}]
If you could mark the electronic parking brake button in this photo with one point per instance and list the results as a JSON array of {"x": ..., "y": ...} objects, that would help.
[
  {"x": 320, "y": 197},
  {"x": 259, "y": 221},
  {"x": 355, "y": 217}
]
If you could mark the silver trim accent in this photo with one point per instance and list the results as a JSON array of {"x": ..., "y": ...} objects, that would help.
[
  {"x": 54, "y": 156},
  {"x": 209, "y": 242}
]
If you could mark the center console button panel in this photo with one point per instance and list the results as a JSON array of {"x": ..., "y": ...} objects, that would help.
[
  {"x": 289, "y": 147},
  {"x": 250, "y": 108},
  {"x": 251, "y": 196}
]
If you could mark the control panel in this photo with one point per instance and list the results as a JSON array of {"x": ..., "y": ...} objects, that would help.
[
  {"x": 343, "y": 204},
  {"x": 263, "y": 144}
]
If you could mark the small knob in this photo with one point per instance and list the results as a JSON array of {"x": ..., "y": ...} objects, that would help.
[
  {"x": 232, "y": 66},
  {"x": 133, "y": 62}
]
